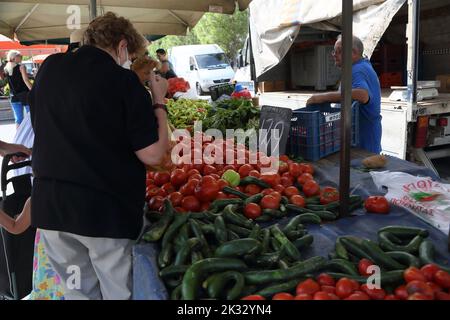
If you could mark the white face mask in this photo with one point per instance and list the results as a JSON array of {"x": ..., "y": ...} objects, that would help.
[{"x": 127, "y": 63}]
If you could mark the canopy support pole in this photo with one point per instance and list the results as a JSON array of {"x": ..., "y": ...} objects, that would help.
[
  {"x": 412, "y": 33},
  {"x": 26, "y": 17},
  {"x": 346, "y": 105},
  {"x": 93, "y": 9}
]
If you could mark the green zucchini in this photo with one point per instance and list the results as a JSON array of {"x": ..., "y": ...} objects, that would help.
[
  {"x": 253, "y": 180},
  {"x": 288, "y": 246},
  {"x": 384, "y": 239},
  {"x": 193, "y": 277},
  {"x": 405, "y": 232},
  {"x": 343, "y": 266},
  {"x": 173, "y": 271},
  {"x": 310, "y": 218},
  {"x": 304, "y": 242},
  {"x": 217, "y": 285},
  {"x": 292, "y": 208},
  {"x": 237, "y": 248},
  {"x": 158, "y": 228},
  {"x": 172, "y": 230},
  {"x": 354, "y": 247},
  {"x": 426, "y": 255},
  {"x": 267, "y": 260},
  {"x": 198, "y": 232},
  {"x": 220, "y": 230},
  {"x": 219, "y": 204},
  {"x": 295, "y": 271},
  {"x": 230, "y": 216},
  {"x": 239, "y": 231},
  {"x": 405, "y": 258},
  {"x": 186, "y": 250},
  {"x": 379, "y": 256},
  {"x": 270, "y": 291},
  {"x": 235, "y": 192},
  {"x": 256, "y": 198}
]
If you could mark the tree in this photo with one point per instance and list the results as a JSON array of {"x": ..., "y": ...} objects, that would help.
[{"x": 228, "y": 31}]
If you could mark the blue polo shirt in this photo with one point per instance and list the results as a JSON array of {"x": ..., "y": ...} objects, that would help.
[{"x": 364, "y": 77}]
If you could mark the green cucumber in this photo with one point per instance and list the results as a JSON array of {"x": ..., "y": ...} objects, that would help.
[
  {"x": 253, "y": 180},
  {"x": 426, "y": 255},
  {"x": 186, "y": 250},
  {"x": 312, "y": 200},
  {"x": 283, "y": 264},
  {"x": 235, "y": 192},
  {"x": 264, "y": 218},
  {"x": 276, "y": 246},
  {"x": 387, "y": 277},
  {"x": 274, "y": 213},
  {"x": 405, "y": 258},
  {"x": 295, "y": 234},
  {"x": 173, "y": 271},
  {"x": 176, "y": 293},
  {"x": 379, "y": 256},
  {"x": 326, "y": 215},
  {"x": 315, "y": 207},
  {"x": 342, "y": 266},
  {"x": 237, "y": 248},
  {"x": 332, "y": 206},
  {"x": 196, "y": 256},
  {"x": 354, "y": 248},
  {"x": 267, "y": 260},
  {"x": 297, "y": 270},
  {"x": 232, "y": 235},
  {"x": 239, "y": 231},
  {"x": 255, "y": 232},
  {"x": 256, "y": 198},
  {"x": 195, "y": 273},
  {"x": 310, "y": 218},
  {"x": 172, "y": 230},
  {"x": 270, "y": 291},
  {"x": 341, "y": 252},
  {"x": 292, "y": 224},
  {"x": 230, "y": 216},
  {"x": 288, "y": 246},
  {"x": 158, "y": 228},
  {"x": 220, "y": 230},
  {"x": 296, "y": 209},
  {"x": 265, "y": 242},
  {"x": 165, "y": 256},
  {"x": 217, "y": 285},
  {"x": 219, "y": 204},
  {"x": 207, "y": 228},
  {"x": 405, "y": 232},
  {"x": 284, "y": 200},
  {"x": 198, "y": 232},
  {"x": 248, "y": 290},
  {"x": 304, "y": 242},
  {"x": 385, "y": 241}
]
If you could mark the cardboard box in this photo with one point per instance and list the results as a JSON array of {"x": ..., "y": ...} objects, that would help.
[
  {"x": 272, "y": 86},
  {"x": 445, "y": 83},
  {"x": 280, "y": 85}
]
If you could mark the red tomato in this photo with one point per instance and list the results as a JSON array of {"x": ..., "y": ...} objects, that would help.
[
  {"x": 326, "y": 280},
  {"x": 149, "y": 182},
  {"x": 190, "y": 203},
  {"x": 358, "y": 295},
  {"x": 429, "y": 270},
  {"x": 401, "y": 293},
  {"x": 180, "y": 209},
  {"x": 252, "y": 189},
  {"x": 209, "y": 169},
  {"x": 377, "y": 204},
  {"x": 412, "y": 273},
  {"x": 207, "y": 190},
  {"x": 284, "y": 158},
  {"x": 269, "y": 202},
  {"x": 161, "y": 178},
  {"x": 419, "y": 296},
  {"x": 192, "y": 172},
  {"x": 189, "y": 188},
  {"x": 344, "y": 288},
  {"x": 328, "y": 195},
  {"x": 297, "y": 200},
  {"x": 356, "y": 285},
  {"x": 295, "y": 170},
  {"x": 199, "y": 167},
  {"x": 215, "y": 176},
  {"x": 254, "y": 297},
  {"x": 221, "y": 195},
  {"x": 168, "y": 188},
  {"x": 267, "y": 191},
  {"x": 322, "y": 296},
  {"x": 252, "y": 211},
  {"x": 204, "y": 206},
  {"x": 175, "y": 198},
  {"x": 254, "y": 173},
  {"x": 152, "y": 192},
  {"x": 304, "y": 177},
  {"x": 308, "y": 286},
  {"x": 291, "y": 191},
  {"x": 363, "y": 265},
  {"x": 303, "y": 296},
  {"x": 283, "y": 167},
  {"x": 279, "y": 188},
  {"x": 443, "y": 296},
  {"x": 276, "y": 195},
  {"x": 222, "y": 183},
  {"x": 287, "y": 181},
  {"x": 271, "y": 179},
  {"x": 178, "y": 177},
  {"x": 155, "y": 203},
  {"x": 311, "y": 188},
  {"x": 307, "y": 168},
  {"x": 391, "y": 297},
  {"x": 329, "y": 289},
  {"x": 436, "y": 288},
  {"x": 417, "y": 286},
  {"x": 161, "y": 192},
  {"x": 245, "y": 170},
  {"x": 374, "y": 294},
  {"x": 150, "y": 174},
  {"x": 196, "y": 177},
  {"x": 208, "y": 179},
  {"x": 442, "y": 279},
  {"x": 283, "y": 296}
]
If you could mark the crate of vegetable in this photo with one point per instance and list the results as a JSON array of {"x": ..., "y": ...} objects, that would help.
[{"x": 184, "y": 112}]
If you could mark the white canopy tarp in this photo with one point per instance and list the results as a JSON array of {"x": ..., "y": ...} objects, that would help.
[
  {"x": 52, "y": 19},
  {"x": 273, "y": 37}
]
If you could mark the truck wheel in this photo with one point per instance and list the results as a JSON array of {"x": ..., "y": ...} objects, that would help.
[{"x": 200, "y": 91}]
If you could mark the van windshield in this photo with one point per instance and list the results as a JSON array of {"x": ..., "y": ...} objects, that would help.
[{"x": 212, "y": 61}]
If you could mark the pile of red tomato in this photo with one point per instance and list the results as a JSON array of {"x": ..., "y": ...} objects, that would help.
[
  {"x": 192, "y": 187},
  {"x": 427, "y": 283}
]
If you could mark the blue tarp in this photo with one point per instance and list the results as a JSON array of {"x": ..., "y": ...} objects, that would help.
[{"x": 147, "y": 284}]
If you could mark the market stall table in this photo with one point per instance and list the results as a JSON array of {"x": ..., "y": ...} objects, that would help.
[{"x": 147, "y": 284}]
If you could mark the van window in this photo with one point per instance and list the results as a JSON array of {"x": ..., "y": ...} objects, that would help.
[{"x": 212, "y": 61}]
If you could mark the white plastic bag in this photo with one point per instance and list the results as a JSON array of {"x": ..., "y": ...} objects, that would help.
[{"x": 427, "y": 199}]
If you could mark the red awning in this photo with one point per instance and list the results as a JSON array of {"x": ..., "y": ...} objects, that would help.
[{"x": 33, "y": 50}]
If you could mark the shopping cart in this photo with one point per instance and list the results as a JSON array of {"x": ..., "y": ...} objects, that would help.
[{"x": 16, "y": 251}]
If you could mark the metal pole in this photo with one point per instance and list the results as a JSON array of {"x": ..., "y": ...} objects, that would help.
[
  {"x": 412, "y": 33},
  {"x": 252, "y": 60},
  {"x": 346, "y": 105},
  {"x": 93, "y": 9}
]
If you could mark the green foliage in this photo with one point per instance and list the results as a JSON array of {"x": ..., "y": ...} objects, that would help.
[{"x": 228, "y": 31}]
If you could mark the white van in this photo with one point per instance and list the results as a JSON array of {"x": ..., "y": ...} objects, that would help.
[{"x": 202, "y": 65}]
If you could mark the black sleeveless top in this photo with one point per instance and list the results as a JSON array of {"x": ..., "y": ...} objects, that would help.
[{"x": 16, "y": 84}]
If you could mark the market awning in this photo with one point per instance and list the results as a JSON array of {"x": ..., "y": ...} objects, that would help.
[
  {"x": 32, "y": 20},
  {"x": 272, "y": 38},
  {"x": 33, "y": 50}
]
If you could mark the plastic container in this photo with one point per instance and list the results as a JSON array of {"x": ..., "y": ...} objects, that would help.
[
  {"x": 221, "y": 89},
  {"x": 241, "y": 92},
  {"x": 315, "y": 131}
]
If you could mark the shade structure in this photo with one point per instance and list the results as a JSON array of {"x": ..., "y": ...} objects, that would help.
[{"x": 31, "y": 20}]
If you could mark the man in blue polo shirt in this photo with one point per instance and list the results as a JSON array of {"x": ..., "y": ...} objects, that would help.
[{"x": 366, "y": 90}]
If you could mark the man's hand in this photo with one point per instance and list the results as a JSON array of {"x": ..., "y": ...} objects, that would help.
[
  {"x": 158, "y": 87},
  {"x": 10, "y": 148},
  {"x": 314, "y": 99}
]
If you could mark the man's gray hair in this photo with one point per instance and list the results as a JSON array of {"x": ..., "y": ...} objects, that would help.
[{"x": 357, "y": 44}]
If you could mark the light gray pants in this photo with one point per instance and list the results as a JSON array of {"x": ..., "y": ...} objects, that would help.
[{"x": 90, "y": 268}]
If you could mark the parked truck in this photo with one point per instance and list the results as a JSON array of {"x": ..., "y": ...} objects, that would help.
[{"x": 290, "y": 56}]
